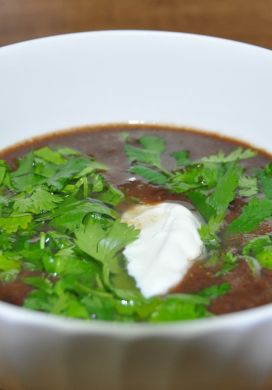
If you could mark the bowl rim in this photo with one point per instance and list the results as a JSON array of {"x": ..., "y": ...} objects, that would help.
[
  {"x": 122, "y": 32},
  {"x": 13, "y": 314}
]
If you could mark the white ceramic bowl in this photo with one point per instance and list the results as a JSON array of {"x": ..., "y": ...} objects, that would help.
[{"x": 124, "y": 76}]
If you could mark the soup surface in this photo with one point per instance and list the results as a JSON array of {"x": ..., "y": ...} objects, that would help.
[{"x": 62, "y": 242}]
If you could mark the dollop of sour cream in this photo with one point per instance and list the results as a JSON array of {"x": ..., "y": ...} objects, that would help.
[{"x": 167, "y": 246}]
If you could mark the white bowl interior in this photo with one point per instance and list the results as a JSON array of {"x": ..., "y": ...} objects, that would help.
[{"x": 119, "y": 76}]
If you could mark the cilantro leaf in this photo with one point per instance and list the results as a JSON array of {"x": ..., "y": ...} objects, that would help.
[
  {"x": 104, "y": 243},
  {"x": 265, "y": 257},
  {"x": 153, "y": 142},
  {"x": 235, "y": 155},
  {"x": 265, "y": 177},
  {"x": 180, "y": 307},
  {"x": 72, "y": 212},
  {"x": 65, "y": 151},
  {"x": 195, "y": 176},
  {"x": 150, "y": 153},
  {"x": 91, "y": 166},
  {"x": 4, "y": 173},
  {"x": 214, "y": 207},
  {"x": 43, "y": 200},
  {"x": 63, "y": 173},
  {"x": 256, "y": 211},
  {"x": 229, "y": 262},
  {"x": 26, "y": 182},
  {"x": 149, "y": 174},
  {"x": 261, "y": 249},
  {"x": 9, "y": 276},
  {"x": 182, "y": 158},
  {"x": 64, "y": 303},
  {"x": 26, "y": 163},
  {"x": 111, "y": 195},
  {"x": 40, "y": 201},
  {"x": 8, "y": 264},
  {"x": 98, "y": 183},
  {"x": 146, "y": 156},
  {"x": 124, "y": 286},
  {"x": 248, "y": 186},
  {"x": 50, "y": 155},
  {"x": 225, "y": 189},
  {"x": 208, "y": 232},
  {"x": 39, "y": 282},
  {"x": 67, "y": 263},
  {"x": 200, "y": 201},
  {"x": 15, "y": 222},
  {"x": 257, "y": 244},
  {"x": 101, "y": 309},
  {"x": 215, "y": 291}
]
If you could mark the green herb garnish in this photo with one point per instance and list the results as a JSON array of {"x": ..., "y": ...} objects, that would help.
[
  {"x": 212, "y": 183},
  {"x": 60, "y": 233},
  {"x": 60, "y": 229},
  {"x": 256, "y": 211}
]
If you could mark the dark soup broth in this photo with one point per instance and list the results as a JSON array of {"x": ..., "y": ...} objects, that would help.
[{"x": 63, "y": 240}]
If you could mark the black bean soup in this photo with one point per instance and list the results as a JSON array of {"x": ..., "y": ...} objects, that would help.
[{"x": 247, "y": 290}]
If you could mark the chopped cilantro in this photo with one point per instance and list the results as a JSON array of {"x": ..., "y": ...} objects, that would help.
[
  {"x": 153, "y": 142},
  {"x": 179, "y": 307},
  {"x": 229, "y": 262},
  {"x": 215, "y": 291},
  {"x": 149, "y": 153},
  {"x": 15, "y": 222},
  {"x": 248, "y": 186},
  {"x": 235, "y": 155},
  {"x": 182, "y": 158},
  {"x": 260, "y": 249},
  {"x": 142, "y": 155},
  {"x": 256, "y": 211},
  {"x": 111, "y": 195},
  {"x": 225, "y": 188},
  {"x": 4, "y": 171},
  {"x": 257, "y": 244},
  {"x": 72, "y": 212},
  {"x": 200, "y": 201},
  {"x": 50, "y": 155},
  {"x": 59, "y": 224},
  {"x": 41, "y": 200},
  {"x": 208, "y": 232},
  {"x": 188, "y": 307},
  {"x": 103, "y": 243},
  {"x": 265, "y": 177},
  {"x": 196, "y": 176},
  {"x": 150, "y": 174},
  {"x": 265, "y": 257},
  {"x": 8, "y": 264}
]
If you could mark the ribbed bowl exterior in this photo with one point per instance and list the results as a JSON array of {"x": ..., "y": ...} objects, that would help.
[{"x": 35, "y": 357}]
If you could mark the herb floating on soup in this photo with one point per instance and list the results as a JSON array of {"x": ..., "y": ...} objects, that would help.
[{"x": 148, "y": 225}]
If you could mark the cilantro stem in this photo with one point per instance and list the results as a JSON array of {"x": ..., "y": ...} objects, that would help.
[{"x": 42, "y": 240}]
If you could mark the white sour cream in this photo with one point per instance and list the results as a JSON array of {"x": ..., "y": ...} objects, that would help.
[{"x": 168, "y": 244}]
